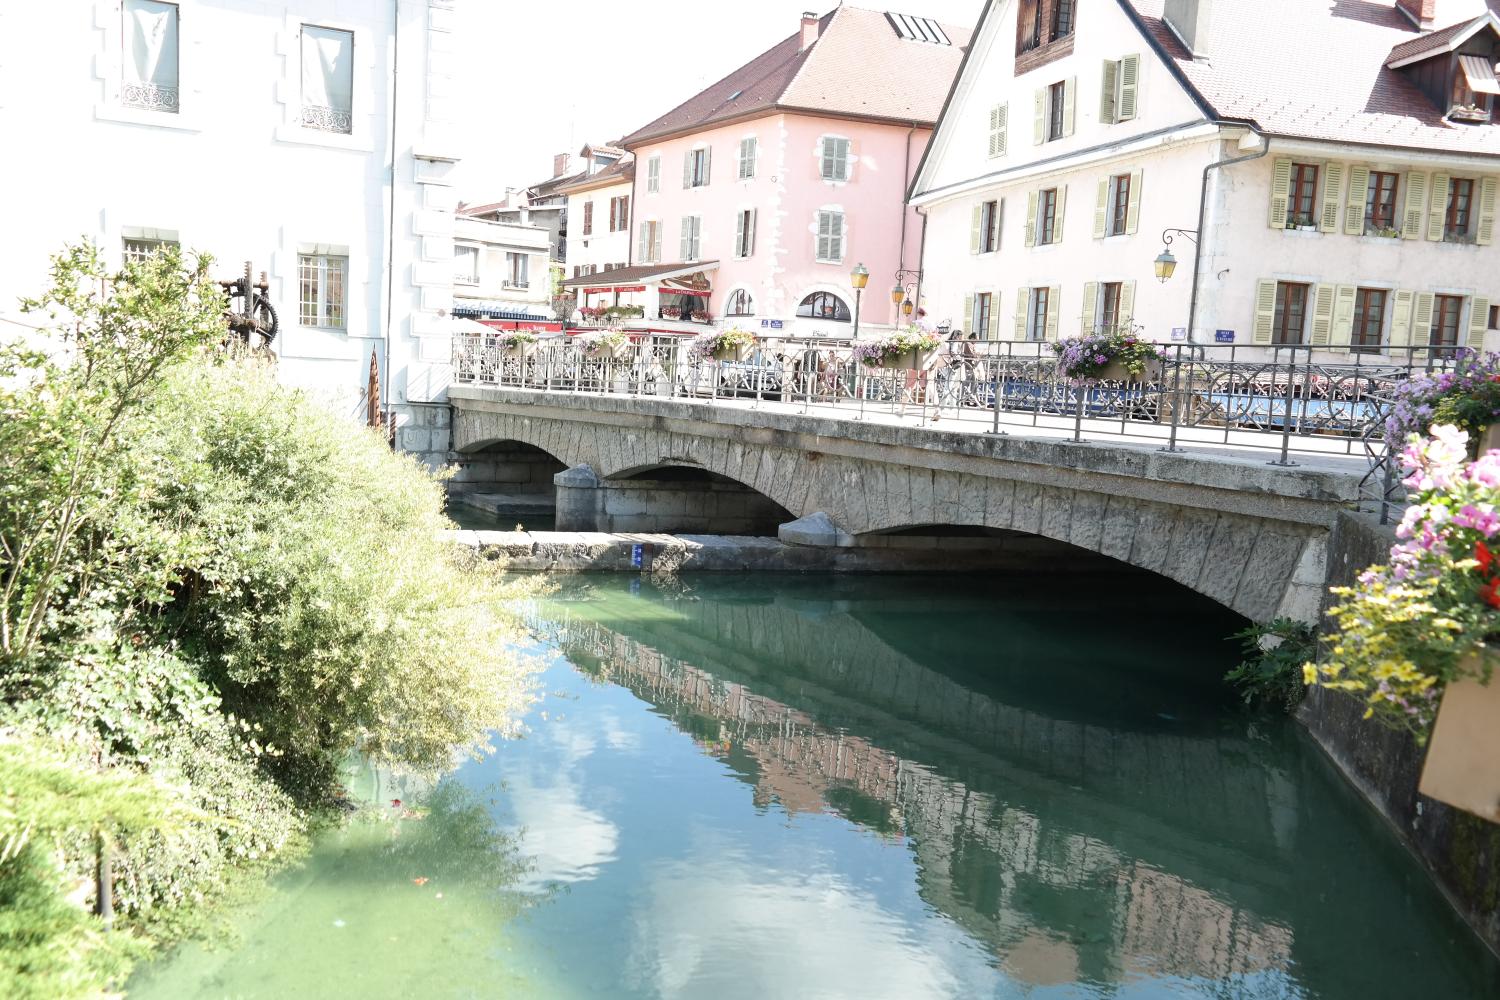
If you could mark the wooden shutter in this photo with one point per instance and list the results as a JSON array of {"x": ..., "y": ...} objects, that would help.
[
  {"x": 1333, "y": 196},
  {"x": 1101, "y": 209},
  {"x": 999, "y": 125},
  {"x": 1107, "y": 91},
  {"x": 1281, "y": 187},
  {"x": 1421, "y": 323},
  {"x": 1401, "y": 318},
  {"x": 1039, "y": 133},
  {"x": 741, "y": 219},
  {"x": 1438, "y": 213},
  {"x": 685, "y": 242},
  {"x": 1133, "y": 206},
  {"x": 687, "y": 169},
  {"x": 656, "y": 228},
  {"x": 991, "y": 330},
  {"x": 1054, "y": 306},
  {"x": 1062, "y": 204},
  {"x": 1479, "y": 321},
  {"x": 1265, "y": 311},
  {"x": 1485, "y": 233},
  {"x": 970, "y": 302},
  {"x": 1414, "y": 218},
  {"x": 1343, "y": 313},
  {"x": 653, "y": 174},
  {"x": 1086, "y": 321},
  {"x": 588, "y": 218},
  {"x": 1322, "y": 326},
  {"x": 748, "y": 150},
  {"x": 642, "y": 247},
  {"x": 976, "y": 230},
  {"x": 754, "y": 215},
  {"x": 1032, "y": 199},
  {"x": 1070, "y": 105},
  {"x": 1023, "y": 302},
  {"x": 1130, "y": 77},
  {"x": 836, "y": 236},
  {"x": 1127, "y": 304},
  {"x": 708, "y": 164},
  {"x": 824, "y": 247},
  {"x": 998, "y": 222},
  {"x": 844, "y": 151},
  {"x": 1354, "y": 204}
]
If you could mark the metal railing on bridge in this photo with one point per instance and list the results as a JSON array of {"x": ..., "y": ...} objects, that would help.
[{"x": 1284, "y": 400}]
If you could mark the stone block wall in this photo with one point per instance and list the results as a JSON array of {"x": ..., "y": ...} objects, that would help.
[
  {"x": 425, "y": 431},
  {"x": 507, "y": 468}
]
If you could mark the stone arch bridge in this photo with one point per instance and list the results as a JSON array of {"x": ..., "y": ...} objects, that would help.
[{"x": 1253, "y": 537}]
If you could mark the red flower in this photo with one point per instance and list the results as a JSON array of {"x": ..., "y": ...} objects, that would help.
[
  {"x": 395, "y": 803},
  {"x": 1491, "y": 593},
  {"x": 1484, "y": 557}
]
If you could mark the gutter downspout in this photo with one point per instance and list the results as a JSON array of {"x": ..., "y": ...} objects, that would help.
[
  {"x": 906, "y": 186},
  {"x": 390, "y": 248},
  {"x": 1265, "y": 148},
  {"x": 921, "y": 265}
]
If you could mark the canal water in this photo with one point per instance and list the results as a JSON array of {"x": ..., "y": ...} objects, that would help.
[{"x": 902, "y": 787}]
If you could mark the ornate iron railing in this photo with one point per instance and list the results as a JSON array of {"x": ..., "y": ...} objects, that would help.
[
  {"x": 1284, "y": 400},
  {"x": 149, "y": 97},
  {"x": 327, "y": 119}
]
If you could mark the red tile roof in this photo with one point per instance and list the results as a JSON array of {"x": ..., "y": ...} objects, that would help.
[
  {"x": 1320, "y": 75},
  {"x": 1433, "y": 41},
  {"x": 615, "y": 173},
  {"x": 859, "y": 67}
]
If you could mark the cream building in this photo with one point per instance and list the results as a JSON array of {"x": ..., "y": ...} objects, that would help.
[{"x": 1330, "y": 183}]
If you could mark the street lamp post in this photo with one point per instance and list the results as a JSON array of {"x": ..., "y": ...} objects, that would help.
[{"x": 859, "y": 278}]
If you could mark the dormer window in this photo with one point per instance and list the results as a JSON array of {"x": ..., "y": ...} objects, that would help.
[
  {"x": 1474, "y": 89},
  {"x": 1455, "y": 68}
]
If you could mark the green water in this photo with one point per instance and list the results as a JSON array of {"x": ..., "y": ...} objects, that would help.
[{"x": 902, "y": 787}]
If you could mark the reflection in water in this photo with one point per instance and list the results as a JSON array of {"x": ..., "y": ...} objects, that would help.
[{"x": 899, "y": 787}]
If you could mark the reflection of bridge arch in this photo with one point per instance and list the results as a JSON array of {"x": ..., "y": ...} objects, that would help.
[{"x": 1250, "y": 538}]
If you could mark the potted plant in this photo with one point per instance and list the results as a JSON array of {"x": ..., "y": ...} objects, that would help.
[
  {"x": 518, "y": 343},
  {"x": 700, "y": 316},
  {"x": 1467, "y": 397},
  {"x": 610, "y": 345},
  {"x": 671, "y": 312},
  {"x": 1301, "y": 221},
  {"x": 726, "y": 345},
  {"x": 1415, "y": 639},
  {"x": 909, "y": 349},
  {"x": 1108, "y": 357}
]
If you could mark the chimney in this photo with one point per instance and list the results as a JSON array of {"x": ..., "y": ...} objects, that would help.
[
  {"x": 1429, "y": 14},
  {"x": 1189, "y": 20},
  {"x": 809, "y": 29},
  {"x": 560, "y": 164}
]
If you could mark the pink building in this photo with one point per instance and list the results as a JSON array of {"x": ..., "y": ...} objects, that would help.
[{"x": 755, "y": 199}]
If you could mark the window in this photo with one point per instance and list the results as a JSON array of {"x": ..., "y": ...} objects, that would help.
[
  {"x": 1029, "y": 26},
  {"x": 588, "y": 218},
  {"x": 1302, "y": 195},
  {"x": 1109, "y": 305},
  {"x": 824, "y": 305},
  {"x": 649, "y": 249},
  {"x": 1046, "y": 217},
  {"x": 150, "y": 64},
  {"x": 740, "y": 304},
  {"x": 1369, "y": 319},
  {"x": 619, "y": 214},
  {"x": 695, "y": 168},
  {"x": 321, "y": 301},
  {"x": 653, "y": 175},
  {"x": 830, "y": 244},
  {"x": 1460, "y": 210},
  {"x": 1446, "y": 310},
  {"x": 1062, "y": 19},
  {"x": 1038, "y": 304},
  {"x": 1380, "y": 203},
  {"x": 983, "y": 313},
  {"x": 744, "y": 233},
  {"x": 139, "y": 249},
  {"x": 1056, "y": 97},
  {"x": 747, "y": 158},
  {"x": 517, "y": 270},
  {"x": 692, "y": 237},
  {"x": 987, "y": 236},
  {"x": 1119, "y": 205},
  {"x": 466, "y": 265},
  {"x": 327, "y": 79},
  {"x": 1291, "y": 312},
  {"x": 834, "y": 159},
  {"x": 1119, "y": 90},
  {"x": 1494, "y": 323}
]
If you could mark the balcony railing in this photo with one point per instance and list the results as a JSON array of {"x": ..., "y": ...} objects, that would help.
[
  {"x": 149, "y": 97},
  {"x": 326, "y": 119}
]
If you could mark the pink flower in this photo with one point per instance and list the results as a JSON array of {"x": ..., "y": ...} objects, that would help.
[{"x": 1486, "y": 522}]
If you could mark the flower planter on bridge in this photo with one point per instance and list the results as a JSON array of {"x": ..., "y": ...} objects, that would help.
[
  {"x": 735, "y": 354},
  {"x": 1116, "y": 371},
  {"x": 1463, "y": 758},
  {"x": 519, "y": 351},
  {"x": 910, "y": 361}
]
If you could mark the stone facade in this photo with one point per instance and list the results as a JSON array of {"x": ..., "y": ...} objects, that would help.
[{"x": 1252, "y": 537}]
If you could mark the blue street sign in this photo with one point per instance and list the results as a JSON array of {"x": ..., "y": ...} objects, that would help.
[{"x": 1223, "y": 336}]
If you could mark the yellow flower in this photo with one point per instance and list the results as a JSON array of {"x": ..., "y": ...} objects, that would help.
[{"x": 1309, "y": 673}]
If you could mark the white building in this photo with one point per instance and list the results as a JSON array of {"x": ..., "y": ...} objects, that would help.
[
  {"x": 280, "y": 134},
  {"x": 599, "y": 212},
  {"x": 501, "y": 271},
  {"x": 1340, "y": 169}
]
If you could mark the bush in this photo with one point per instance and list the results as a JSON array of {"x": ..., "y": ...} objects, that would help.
[{"x": 1271, "y": 674}]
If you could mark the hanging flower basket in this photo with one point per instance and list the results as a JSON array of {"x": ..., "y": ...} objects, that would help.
[
  {"x": 726, "y": 345},
  {"x": 910, "y": 350},
  {"x": 518, "y": 344},
  {"x": 1463, "y": 756},
  {"x": 602, "y": 346},
  {"x": 1111, "y": 357},
  {"x": 1119, "y": 371},
  {"x": 1467, "y": 397}
]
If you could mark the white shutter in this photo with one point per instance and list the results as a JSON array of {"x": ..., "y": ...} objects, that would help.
[
  {"x": 1033, "y": 199},
  {"x": 1354, "y": 203},
  {"x": 1108, "y": 89},
  {"x": 1414, "y": 218},
  {"x": 999, "y": 125},
  {"x": 687, "y": 169},
  {"x": 1089, "y": 319},
  {"x": 1265, "y": 311},
  {"x": 656, "y": 229},
  {"x": 1343, "y": 313},
  {"x": 741, "y": 219},
  {"x": 1101, "y": 209},
  {"x": 836, "y": 235},
  {"x": 1057, "y": 222},
  {"x": 685, "y": 242},
  {"x": 1054, "y": 306},
  {"x": 1421, "y": 326},
  {"x": 1070, "y": 105},
  {"x": 1333, "y": 195},
  {"x": 1479, "y": 321},
  {"x": 976, "y": 229},
  {"x": 750, "y": 237},
  {"x": 1485, "y": 232},
  {"x": 1023, "y": 301},
  {"x": 1322, "y": 326},
  {"x": 708, "y": 164},
  {"x": 1438, "y": 213},
  {"x": 970, "y": 319},
  {"x": 1127, "y": 304},
  {"x": 992, "y": 329},
  {"x": 653, "y": 175},
  {"x": 1133, "y": 206},
  {"x": 1401, "y": 317},
  {"x": 1281, "y": 193},
  {"x": 1039, "y": 129},
  {"x": 151, "y": 43},
  {"x": 747, "y": 157},
  {"x": 1130, "y": 76},
  {"x": 328, "y": 68},
  {"x": 642, "y": 245}
]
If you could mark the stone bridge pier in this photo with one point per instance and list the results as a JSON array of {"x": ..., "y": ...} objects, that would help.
[{"x": 1253, "y": 537}]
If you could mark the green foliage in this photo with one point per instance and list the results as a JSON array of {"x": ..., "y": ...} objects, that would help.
[
  {"x": 1271, "y": 674},
  {"x": 1473, "y": 410}
]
